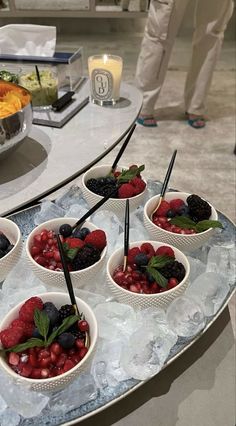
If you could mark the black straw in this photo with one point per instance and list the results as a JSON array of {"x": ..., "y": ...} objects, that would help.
[
  {"x": 93, "y": 209},
  {"x": 168, "y": 173},
  {"x": 67, "y": 275},
  {"x": 38, "y": 75},
  {"x": 126, "y": 234},
  {"x": 113, "y": 167}
]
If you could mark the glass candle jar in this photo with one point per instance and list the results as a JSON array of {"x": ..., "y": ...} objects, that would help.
[{"x": 105, "y": 77}]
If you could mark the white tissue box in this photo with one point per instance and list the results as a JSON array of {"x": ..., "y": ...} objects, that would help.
[{"x": 69, "y": 66}]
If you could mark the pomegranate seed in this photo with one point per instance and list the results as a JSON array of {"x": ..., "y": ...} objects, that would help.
[
  {"x": 44, "y": 237},
  {"x": 71, "y": 351},
  {"x": 50, "y": 242},
  {"x": 45, "y": 362},
  {"x": 61, "y": 360},
  {"x": 45, "y": 373},
  {"x": 118, "y": 277},
  {"x": 43, "y": 354},
  {"x": 40, "y": 260},
  {"x": 83, "y": 325},
  {"x": 53, "y": 357},
  {"x": 56, "y": 255},
  {"x": 13, "y": 358},
  {"x": 35, "y": 250},
  {"x": 37, "y": 239},
  {"x": 173, "y": 282},
  {"x": 56, "y": 348},
  {"x": 133, "y": 288},
  {"x": 36, "y": 373},
  {"x": 79, "y": 343},
  {"x": 26, "y": 370},
  {"x": 68, "y": 365},
  {"x": 76, "y": 358},
  {"x": 33, "y": 360},
  {"x": 163, "y": 220},
  {"x": 83, "y": 352},
  {"x": 48, "y": 254},
  {"x": 51, "y": 267}
]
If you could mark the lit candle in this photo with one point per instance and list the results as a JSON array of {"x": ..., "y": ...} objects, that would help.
[{"x": 105, "y": 77}]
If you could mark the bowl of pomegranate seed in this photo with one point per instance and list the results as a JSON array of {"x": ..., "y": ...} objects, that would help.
[
  {"x": 45, "y": 344},
  {"x": 10, "y": 246},
  {"x": 185, "y": 220},
  {"x": 125, "y": 182},
  {"x": 154, "y": 276},
  {"x": 85, "y": 249}
]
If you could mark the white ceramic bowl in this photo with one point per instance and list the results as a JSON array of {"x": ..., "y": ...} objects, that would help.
[
  {"x": 183, "y": 242},
  {"x": 116, "y": 205},
  {"x": 58, "y": 382},
  {"x": 12, "y": 232},
  {"x": 56, "y": 278},
  {"x": 137, "y": 300}
]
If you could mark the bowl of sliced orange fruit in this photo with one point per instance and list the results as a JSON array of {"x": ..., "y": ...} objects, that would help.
[{"x": 16, "y": 116}]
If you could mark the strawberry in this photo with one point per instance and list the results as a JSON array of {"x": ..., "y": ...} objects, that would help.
[
  {"x": 26, "y": 312},
  {"x": 126, "y": 190},
  {"x": 148, "y": 249},
  {"x": 132, "y": 253},
  {"x": 163, "y": 208},
  {"x": 165, "y": 251},
  {"x": 176, "y": 204},
  {"x": 11, "y": 337},
  {"x": 74, "y": 242},
  {"x": 97, "y": 238},
  {"x": 138, "y": 184}
]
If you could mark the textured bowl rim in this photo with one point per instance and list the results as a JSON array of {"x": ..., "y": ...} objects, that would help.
[
  {"x": 100, "y": 197},
  {"x": 67, "y": 373},
  {"x": 156, "y": 197},
  {"x": 60, "y": 273},
  {"x": 18, "y": 234},
  {"x": 143, "y": 295}
]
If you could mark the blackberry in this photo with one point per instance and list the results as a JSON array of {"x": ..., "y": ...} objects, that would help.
[
  {"x": 198, "y": 208},
  {"x": 76, "y": 332},
  {"x": 65, "y": 311},
  {"x": 92, "y": 185},
  {"x": 87, "y": 256},
  {"x": 103, "y": 186},
  {"x": 52, "y": 312},
  {"x": 173, "y": 270},
  {"x": 4, "y": 242}
]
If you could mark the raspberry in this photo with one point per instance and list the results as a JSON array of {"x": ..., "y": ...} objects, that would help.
[
  {"x": 138, "y": 184},
  {"x": 117, "y": 174},
  {"x": 126, "y": 190},
  {"x": 11, "y": 337},
  {"x": 132, "y": 253},
  {"x": 26, "y": 312},
  {"x": 97, "y": 239},
  {"x": 148, "y": 249},
  {"x": 165, "y": 251},
  {"x": 75, "y": 242},
  {"x": 176, "y": 204},
  {"x": 163, "y": 208},
  {"x": 25, "y": 326}
]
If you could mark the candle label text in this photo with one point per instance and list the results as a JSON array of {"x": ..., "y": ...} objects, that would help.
[{"x": 102, "y": 84}]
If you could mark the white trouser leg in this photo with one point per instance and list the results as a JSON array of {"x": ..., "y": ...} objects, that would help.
[
  {"x": 162, "y": 25},
  {"x": 211, "y": 18}
]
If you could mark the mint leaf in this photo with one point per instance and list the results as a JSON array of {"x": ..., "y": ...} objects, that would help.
[
  {"x": 203, "y": 225},
  {"x": 65, "y": 247},
  {"x": 67, "y": 323},
  {"x": 72, "y": 252},
  {"x": 31, "y": 343},
  {"x": 159, "y": 261},
  {"x": 42, "y": 322},
  {"x": 129, "y": 174},
  {"x": 158, "y": 277},
  {"x": 183, "y": 222}
]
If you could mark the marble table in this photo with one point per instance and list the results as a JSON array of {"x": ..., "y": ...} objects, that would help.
[{"x": 51, "y": 157}]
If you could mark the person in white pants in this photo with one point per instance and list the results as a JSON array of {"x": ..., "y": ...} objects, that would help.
[{"x": 164, "y": 19}]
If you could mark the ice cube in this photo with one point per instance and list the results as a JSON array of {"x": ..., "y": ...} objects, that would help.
[
  {"x": 221, "y": 259},
  {"x": 151, "y": 315},
  {"x": 197, "y": 267},
  {"x": 147, "y": 350},
  {"x": 134, "y": 235},
  {"x": 153, "y": 188},
  {"x": 185, "y": 317},
  {"x": 9, "y": 418},
  {"x": 3, "y": 405},
  {"x": 92, "y": 299},
  {"x": 114, "y": 320},
  {"x": 210, "y": 289},
  {"x": 21, "y": 399},
  {"x": 80, "y": 391},
  {"x": 71, "y": 196},
  {"x": 110, "y": 224},
  {"x": 77, "y": 211},
  {"x": 48, "y": 210}
]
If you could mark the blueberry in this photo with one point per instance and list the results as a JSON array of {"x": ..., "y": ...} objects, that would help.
[
  {"x": 9, "y": 248},
  {"x": 65, "y": 230},
  {"x": 141, "y": 259},
  {"x": 66, "y": 340},
  {"x": 81, "y": 233},
  {"x": 171, "y": 213},
  {"x": 183, "y": 210},
  {"x": 36, "y": 334},
  {"x": 52, "y": 312},
  {"x": 4, "y": 242},
  {"x": 2, "y": 253}
]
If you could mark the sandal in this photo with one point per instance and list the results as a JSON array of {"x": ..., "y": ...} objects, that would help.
[
  {"x": 197, "y": 122},
  {"x": 148, "y": 121}
]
